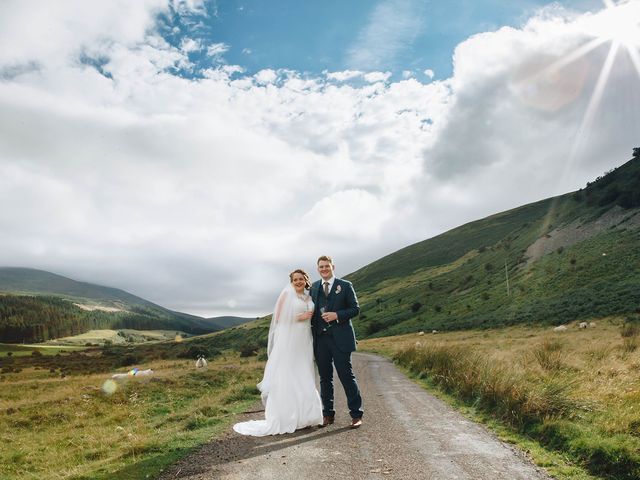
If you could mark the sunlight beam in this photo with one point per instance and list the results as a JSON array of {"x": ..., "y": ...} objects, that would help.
[
  {"x": 592, "y": 107},
  {"x": 635, "y": 58}
]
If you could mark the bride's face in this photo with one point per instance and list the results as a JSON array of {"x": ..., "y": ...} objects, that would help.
[{"x": 298, "y": 282}]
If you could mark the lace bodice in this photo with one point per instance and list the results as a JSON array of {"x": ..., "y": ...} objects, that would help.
[{"x": 303, "y": 304}]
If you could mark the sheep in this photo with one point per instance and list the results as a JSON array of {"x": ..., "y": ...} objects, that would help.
[
  {"x": 583, "y": 325},
  {"x": 132, "y": 373},
  {"x": 434, "y": 331},
  {"x": 592, "y": 324},
  {"x": 201, "y": 362},
  {"x": 421, "y": 333},
  {"x": 560, "y": 328}
]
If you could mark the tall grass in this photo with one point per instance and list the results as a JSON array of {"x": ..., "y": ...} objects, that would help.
[
  {"x": 630, "y": 332},
  {"x": 574, "y": 392},
  {"x": 489, "y": 384},
  {"x": 69, "y": 428},
  {"x": 550, "y": 355}
]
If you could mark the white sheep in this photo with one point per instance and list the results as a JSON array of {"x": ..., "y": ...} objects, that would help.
[
  {"x": 420, "y": 333},
  {"x": 434, "y": 331},
  {"x": 560, "y": 328},
  {"x": 201, "y": 362},
  {"x": 592, "y": 324},
  {"x": 132, "y": 373},
  {"x": 583, "y": 325}
]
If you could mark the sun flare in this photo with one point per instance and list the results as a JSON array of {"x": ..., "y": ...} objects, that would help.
[{"x": 618, "y": 23}]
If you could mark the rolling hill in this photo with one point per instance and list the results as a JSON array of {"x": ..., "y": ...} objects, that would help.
[
  {"x": 36, "y": 305},
  {"x": 571, "y": 257}
]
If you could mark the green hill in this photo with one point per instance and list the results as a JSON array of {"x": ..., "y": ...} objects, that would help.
[
  {"x": 575, "y": 256},
  {"x": 228, "y": 321},
  {"x": 36, "y": 306},
  {"x": 566, "y": 258}
]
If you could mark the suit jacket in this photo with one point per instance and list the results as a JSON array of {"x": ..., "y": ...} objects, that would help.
[{"x": 342, "y": 300}]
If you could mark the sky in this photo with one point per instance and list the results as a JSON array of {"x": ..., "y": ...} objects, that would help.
[{"x": 194, "y": 152}]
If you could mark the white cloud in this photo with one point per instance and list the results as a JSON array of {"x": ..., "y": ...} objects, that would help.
[
  {"x": 190, "y": 45},
  {"x": 344, "y": 75},
  {"x": 217, "y": 49},
  {"x": 373, "y": 77},
  {"x": 392, "y": 27},
  {"x": 429, "y": 73},
  {"x": 197, "y": 192},
  {"x": 264, "y": 77}
]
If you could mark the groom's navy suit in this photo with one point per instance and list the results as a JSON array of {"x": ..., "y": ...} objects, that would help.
[{"x": 334, "y": 342}]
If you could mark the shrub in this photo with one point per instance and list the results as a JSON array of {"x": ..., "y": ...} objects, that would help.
[
  {"x": 415, "y": 307},
  {"x": 549, "y": 355},
  {"x": 629, "y": 330},
  {"x": 496, "y": 388},
  {"x": 249, "y": 350},
  {"x": 374, "y": 327}
]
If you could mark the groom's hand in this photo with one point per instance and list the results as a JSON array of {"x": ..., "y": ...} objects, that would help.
[{"x": 329, "y": 316}]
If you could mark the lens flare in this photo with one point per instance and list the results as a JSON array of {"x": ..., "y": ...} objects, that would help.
[
  {"x": 618, "y": 23},
  {"x": 109, "y": 387}
]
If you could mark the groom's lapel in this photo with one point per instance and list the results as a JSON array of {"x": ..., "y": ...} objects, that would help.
[{"x": 332, "y": 293}]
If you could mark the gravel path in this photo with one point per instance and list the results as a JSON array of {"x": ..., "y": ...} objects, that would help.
[{"x": 407, "y": 434}]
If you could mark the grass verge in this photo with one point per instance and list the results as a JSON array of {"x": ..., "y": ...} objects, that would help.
[
  {"x": 575, "y": 393},
  {"x": 70, "y": 428}
]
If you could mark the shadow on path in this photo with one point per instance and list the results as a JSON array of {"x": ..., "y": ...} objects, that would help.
[{"x": 233, "y": 447}]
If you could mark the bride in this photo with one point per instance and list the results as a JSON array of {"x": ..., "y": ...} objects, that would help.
[{"x": 288, "y": 387}]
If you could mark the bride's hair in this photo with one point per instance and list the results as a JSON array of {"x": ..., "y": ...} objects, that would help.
[{"x": 307, "y": 282}]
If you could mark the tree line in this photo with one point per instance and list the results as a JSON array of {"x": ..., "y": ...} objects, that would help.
[{"x": 29, "y": 319}]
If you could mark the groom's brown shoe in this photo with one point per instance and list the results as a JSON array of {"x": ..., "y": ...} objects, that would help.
[
  {"x": 356, "y": 422},
  {"x": 326, "y": 420}
]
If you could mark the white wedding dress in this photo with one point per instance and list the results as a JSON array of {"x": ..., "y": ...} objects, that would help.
[{"x": 288, "y": 387}]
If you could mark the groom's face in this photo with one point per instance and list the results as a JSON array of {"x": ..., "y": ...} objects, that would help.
[{"x": 325, "y": 269}]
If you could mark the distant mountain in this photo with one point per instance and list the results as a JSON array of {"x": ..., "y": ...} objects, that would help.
[
  {"x": 40, "y": 282},
  {"x": 36, "y": 305}
]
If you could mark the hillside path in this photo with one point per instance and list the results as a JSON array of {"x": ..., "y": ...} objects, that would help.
[{"x": 407, "y": 434}]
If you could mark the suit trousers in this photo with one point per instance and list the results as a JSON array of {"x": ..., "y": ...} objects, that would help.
[{"x": 327, "y": 355}]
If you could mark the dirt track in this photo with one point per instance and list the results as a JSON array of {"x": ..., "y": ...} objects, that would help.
[{"x": 407, "y": 434}]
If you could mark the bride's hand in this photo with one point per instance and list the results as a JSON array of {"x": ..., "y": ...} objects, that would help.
[{"x": 304, "y": 316}]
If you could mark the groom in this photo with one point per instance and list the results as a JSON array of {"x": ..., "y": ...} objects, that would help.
[{"x": 334, "y": 340}]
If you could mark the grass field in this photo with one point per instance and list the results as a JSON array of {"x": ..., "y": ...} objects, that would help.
[
  {"x": 54, "y": 427},
  {"x": 11, "y": 349},
  {"x": 577, "y": 392},
  {"x": 118, "y": 337}
]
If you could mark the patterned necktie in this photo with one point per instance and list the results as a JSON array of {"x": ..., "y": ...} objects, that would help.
[{"x": 326, "y": 289}]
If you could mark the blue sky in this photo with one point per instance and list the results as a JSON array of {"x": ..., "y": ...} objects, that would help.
[
  {"x": 404, "y": 35},
  {"x": 195, "y": 152}
]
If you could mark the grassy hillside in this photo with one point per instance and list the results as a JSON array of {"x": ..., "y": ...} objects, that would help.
[
  {"x": 84, "y": 426},
  {"x": 32, "y": 281},
  {"x": 228, "y": 321},
  {"x": 500, "y": 271},
  {"x": 36, "y": 306},
  {"x": 574, "y": 391},
  {"x": 458, "y": 280}
]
